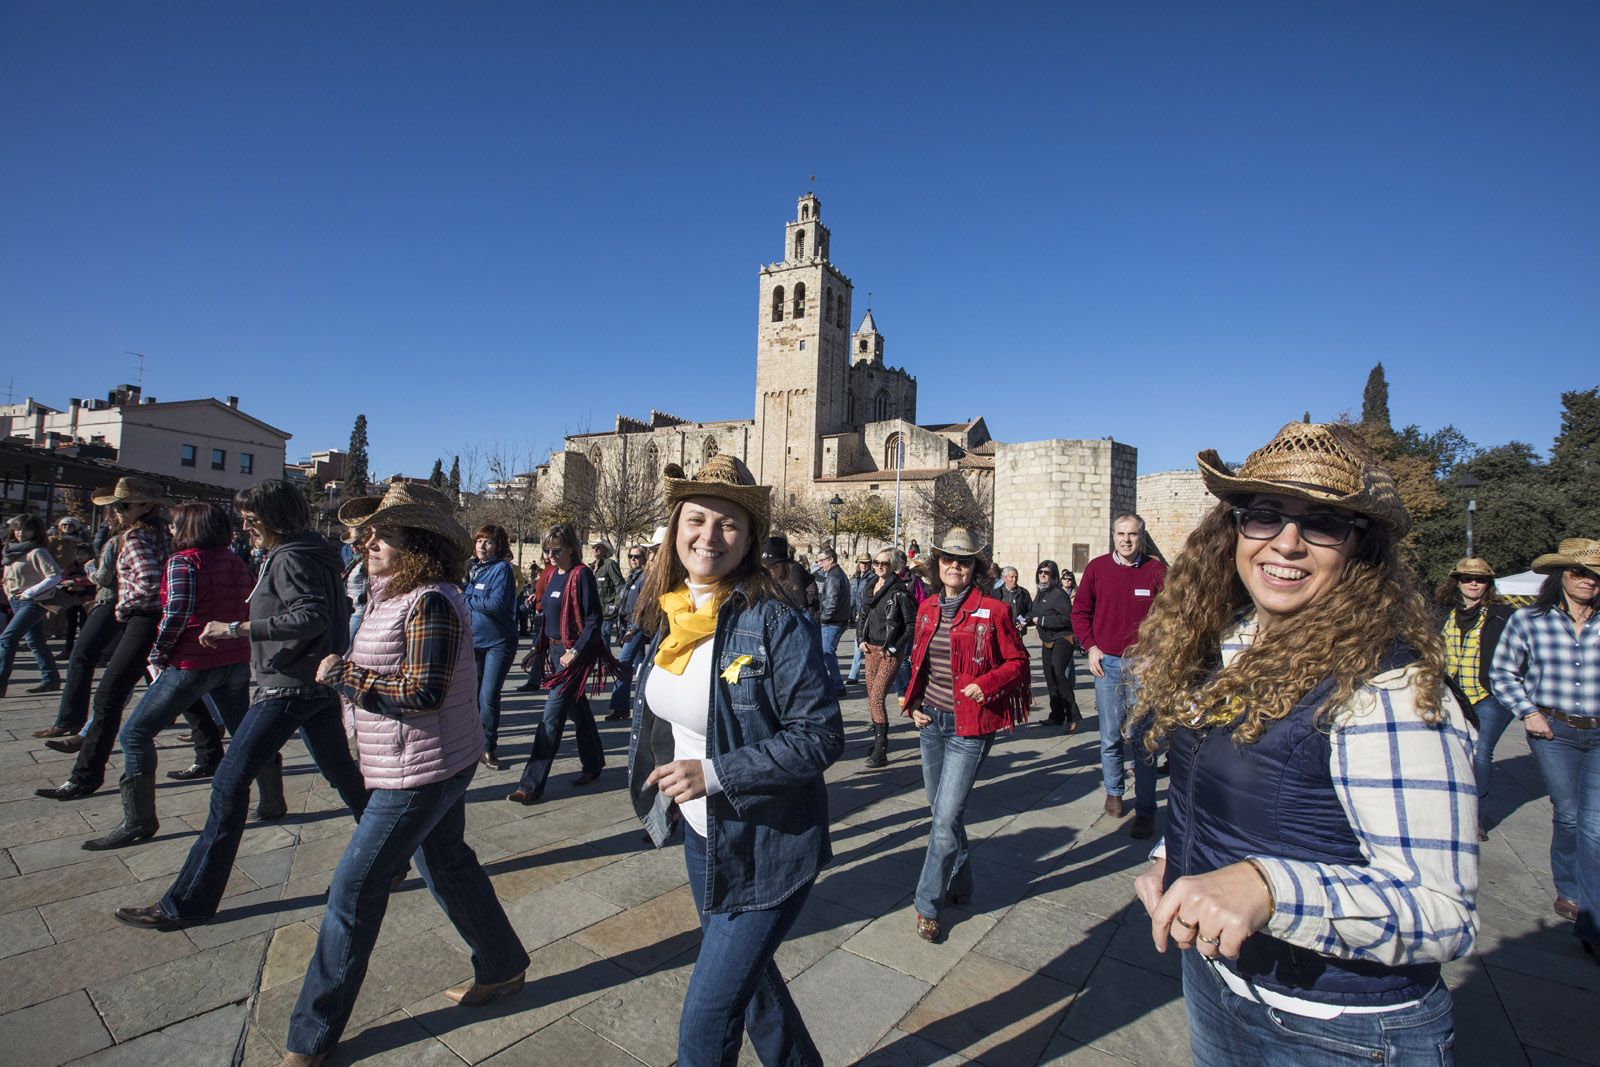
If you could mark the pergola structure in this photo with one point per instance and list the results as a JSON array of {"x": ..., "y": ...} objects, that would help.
[{"x": 29, "y": 468}]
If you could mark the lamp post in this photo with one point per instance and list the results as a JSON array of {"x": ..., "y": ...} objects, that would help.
[
  {"x": 833, "y": 510},
  {"x": 1467, "y": 483}
]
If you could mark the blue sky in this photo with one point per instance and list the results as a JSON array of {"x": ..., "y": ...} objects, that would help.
[{"x": 1177, "y": 225}]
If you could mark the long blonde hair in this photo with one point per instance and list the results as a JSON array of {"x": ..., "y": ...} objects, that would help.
[{"x": 1342, "y": 635}]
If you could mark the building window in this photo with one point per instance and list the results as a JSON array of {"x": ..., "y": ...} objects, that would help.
[
  {"x": 802, "y": 346},
  {"x": 827, "y": 305},
  {"x": 799, "y": 244},
  {"x": 893, "y": 452},
  {"x": 709, "y": 450},
  {"x": 800, "y": 301},
  {"x": 805, "y": 211},
  {"x": 881, "y": 407},
  {"x": 839, "y": 322},
  {"x": 777, "y": 304},
  {"x": 863, "y": 344},
  {"x": 186, "y": 456},
  {"x": 247, "y": 462},
  {"x": 219, "y": 459}
]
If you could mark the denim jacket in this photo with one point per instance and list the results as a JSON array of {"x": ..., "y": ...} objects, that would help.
[{"x": 770, "y": 735}]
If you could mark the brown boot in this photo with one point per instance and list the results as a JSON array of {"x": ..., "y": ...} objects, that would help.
[
  {"x": 468, "y": 994},
  {"x": 300, "y": 1059},
  {"x": 1113, "y": 806}
]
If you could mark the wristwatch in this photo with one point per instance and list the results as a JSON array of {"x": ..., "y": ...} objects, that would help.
[{"x": 233, "y": 629}]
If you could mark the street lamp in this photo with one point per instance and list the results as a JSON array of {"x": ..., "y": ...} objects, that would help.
[
  {"x": 834, "y": 505},
  {"x": 1467, "y": 483}
]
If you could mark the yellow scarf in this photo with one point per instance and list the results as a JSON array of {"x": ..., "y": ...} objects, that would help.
[{"x": 687, "y": 626}]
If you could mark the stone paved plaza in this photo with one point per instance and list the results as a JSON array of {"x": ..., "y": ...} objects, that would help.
[{"x": 1051, "y": 963}]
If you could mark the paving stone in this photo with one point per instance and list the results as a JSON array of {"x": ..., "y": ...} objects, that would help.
[
  {"x": 850, "y": 1003},
  {"x": 518, "y": 835},
  {"x": 1484, "y": 1034},
  {"x": 551, "y": 864},
  {"x": 165, "y": 857},
  {"x": 563, "y": 1042},
  {"x": 79, "y": 916},
  {"x": 991, "y": 1011},
  {"x": 562, "y": 977},
  {"x": 1130, "y": 1012},
  {"x": 23, "y": 931},
  {"x": 57, "y": 884},
  {"x": 1548, "y": 1015},
  {"x": 892, "y": 940},
  {"x": 53, "y": 1032},
  {"x": 394, "y": 1040},
  {"x": 8, "y": 867},
  {"x": 170, "y": 992},
  {"x": 641, "y": 1017},
  {"x": 46, "y": 973},
  {"x": 248, "y": 914},
  {"x": 1057, "y": 942},
  {"x": 822, "y": 927},
  {"x": 1065, "y": 1052},
  {"x": 551, "y": 914},
  {"x": 202, "y": 1041},
  {"x": 638, "y": 878},
  {"x": 900, "y": 1049},
  {"x": 27, "y": 832},
  {"x": 1093, "y": 889},
  {"x": 268, "y": 868},
  {"x": 646, "y": 936},
  {"x": 288, "y": 954}
]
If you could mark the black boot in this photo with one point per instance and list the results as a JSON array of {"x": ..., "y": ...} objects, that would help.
[
  {"x": 193, "y": 771},
  {"x": 879, "y": 756},
  {"x": 138, "y": 815},
  {"x": 269, "y": 791}
]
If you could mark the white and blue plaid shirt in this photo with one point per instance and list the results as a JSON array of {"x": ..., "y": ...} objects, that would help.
[
  {"x": 1408, "y": 791},
  {"x": 1542, "y": 662}
]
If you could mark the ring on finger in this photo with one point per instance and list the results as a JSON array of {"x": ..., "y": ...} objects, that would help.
[
  {"x": 1210, "y": 940},
  {"x": 1186, "y": 924}
]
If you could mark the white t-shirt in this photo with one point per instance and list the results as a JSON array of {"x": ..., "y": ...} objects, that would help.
[{"x": 684, "y": 701}]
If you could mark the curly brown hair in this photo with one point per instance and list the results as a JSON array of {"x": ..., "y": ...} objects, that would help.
[
  {"x": 1343, "y": 635},
  {"x": 426, "y": 557}
]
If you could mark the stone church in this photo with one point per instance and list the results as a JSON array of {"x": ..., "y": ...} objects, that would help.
[{"x": 833, "y": 421}]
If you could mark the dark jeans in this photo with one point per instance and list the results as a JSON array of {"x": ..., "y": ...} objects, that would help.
[
  {"x": 628, "y": 661},
  {"x": 567, "y": 701},
  {"x": 26, "y": 625},
  {"x": 169, "y": 696},
  {"x": 736, "y": 987},
  {"x": 100, "y": 632},
  {"x": 1060, "y": 675},
  {"x": 493, "y": 666},
  {"x": 127, "y": 666},
  {"x": 74, "y": 616},
  {"x": 267, "y": 725},
  {"x": 396, "y": 824},
  {"x": 950, "y": 765}
]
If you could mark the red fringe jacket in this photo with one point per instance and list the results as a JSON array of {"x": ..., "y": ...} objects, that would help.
[{"x": 984, "y": 648}]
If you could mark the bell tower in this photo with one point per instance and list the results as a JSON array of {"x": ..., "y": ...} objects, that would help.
[{"x": 802, "y": 355}]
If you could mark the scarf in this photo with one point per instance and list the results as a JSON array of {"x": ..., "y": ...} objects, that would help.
[
  {"x": 687, "y": 626},
  {"x": 16, "y": 551}
]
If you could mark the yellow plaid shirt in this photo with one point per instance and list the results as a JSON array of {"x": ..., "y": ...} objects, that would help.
[{"x": 1462, "y": 651}]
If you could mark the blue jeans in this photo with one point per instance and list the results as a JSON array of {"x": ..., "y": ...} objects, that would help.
[
  {"x": 27, "y": 625},
  {"x": 173, "y": 691},
  {"x": 269, "y": 723},
  {"x": 1111, "y": 699},
  {"x": 736, "y": 987},
  {"x": 396, "y": 824},
  {"x": 831, "y": 632},
  {"x": 949, "y": 767},
  {"x": 569, "y": 700},
  {"x": 903, "y": 678},
  {"x": 1227, "y": 1030},
  {"x": 493, "y": 666},
  {"x": 855, "y": 663},
  {"x": 627, "y": 659},
  {"x": 1493, "y": 718},
  {"x": 1570, "y": 764}
]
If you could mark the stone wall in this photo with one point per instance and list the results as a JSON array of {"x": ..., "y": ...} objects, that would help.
[
  {"x": 1056, "y": 499},
  {"x": 1172, "y": 503}
]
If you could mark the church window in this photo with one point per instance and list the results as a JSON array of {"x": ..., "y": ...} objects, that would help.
[
  {"x": 802, "y": 346},
  {"x": 839, "y": 322},
  {"x": 708, "y": 450},
  {"x": 652, "y": 459},
  {"x": 799, "y": 244},
  {"x": 827, "y": 305},
  {"x": 881, "y": 407},
  {"x": 892, "y": 451},
  {"x": 805, "y": 211},
  {"x": 777, "y": 304},
  {"x": 597, "y": 459},
  {"x": 863, "y": 344},
  {"x": 800, "y": 300}
]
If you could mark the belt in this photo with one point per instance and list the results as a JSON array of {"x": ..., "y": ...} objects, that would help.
[{"x": 1577, "y": 722}]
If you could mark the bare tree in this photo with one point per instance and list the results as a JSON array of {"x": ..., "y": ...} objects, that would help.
[
  {"x": 627, "y": 504},
  {"x": 868, "y": 517},
  {"x": 950, "y": 500},
  {"x": 498, "y": 486}
]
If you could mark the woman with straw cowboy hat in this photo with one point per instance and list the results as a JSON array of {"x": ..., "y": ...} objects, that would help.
[
  {"x": 1319, "y": 863},
  {"x": 1547, "y": 673},
  {"x": 734, "y": 722},
  {"x": 969, "y": 680},
  {"x": 1474, "y": 619}
]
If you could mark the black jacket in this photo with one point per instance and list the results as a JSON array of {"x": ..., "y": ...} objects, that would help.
[
  {"x": 887, "y": 617},
  {"x": 1021, "y": 604},
  {"x": 1052, "y": 611},
  {"x": 298, "y": 612},
  {"x": 833, "y": 597}
]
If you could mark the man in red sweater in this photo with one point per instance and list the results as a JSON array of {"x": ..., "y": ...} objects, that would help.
[{"x": 1114, "y": 596}]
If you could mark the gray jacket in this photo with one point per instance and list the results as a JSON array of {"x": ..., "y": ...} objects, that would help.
[{"x": 298, "y": 612}]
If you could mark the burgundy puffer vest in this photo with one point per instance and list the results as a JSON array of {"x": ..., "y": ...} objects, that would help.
[
  {"x": 423, "y": 747},
  {"x": 221, "y": 585}
]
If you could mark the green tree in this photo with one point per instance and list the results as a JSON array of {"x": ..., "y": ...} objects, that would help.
[
  {"x": 355, "y": 459},
  {"x": 1574, "y": 470},
  {"x": 868, "y": 517},
  {"x": 436, "y": 479},
  {"x": 1375, "y": 401},
  {"x": 455, "y": 479}
]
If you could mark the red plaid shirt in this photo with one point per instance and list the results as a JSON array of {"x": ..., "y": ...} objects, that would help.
[{"x": 139, "y": 566}]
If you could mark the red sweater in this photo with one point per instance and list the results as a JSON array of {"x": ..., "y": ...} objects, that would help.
[{"x": 1112, "y": 601}]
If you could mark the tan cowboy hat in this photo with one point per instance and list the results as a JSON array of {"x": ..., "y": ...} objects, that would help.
[
  {"x": 416, "y": 507},
  {"x": 959, "y": 541},
  {"x": 1573, "y": 552},
  {"x": 1328, "y": 463},
  {"x": 1472, "y": 566},
  {"x": 133, "y": 490},
  {"x": 726, "y": 478}
]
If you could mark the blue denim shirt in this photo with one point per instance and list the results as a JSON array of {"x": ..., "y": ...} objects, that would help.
[{"x": 770, "y": 736}]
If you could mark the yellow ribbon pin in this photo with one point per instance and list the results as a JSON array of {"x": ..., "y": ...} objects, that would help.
[{"x": 730, "y": 673}]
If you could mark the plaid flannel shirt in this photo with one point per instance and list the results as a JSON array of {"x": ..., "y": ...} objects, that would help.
[
  {"x": 433, "y": 639},
  {"x": 139, "y": 561},
  {"x": 1408, "y": 790},
  {"x": 1543, "y": 662},
  {"x": 176, "y": 607}
]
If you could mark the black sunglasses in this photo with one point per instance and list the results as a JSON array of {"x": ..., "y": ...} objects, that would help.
[
  {"x": 1583, "y": 572},
  {"x": 1321, "y": 528}
]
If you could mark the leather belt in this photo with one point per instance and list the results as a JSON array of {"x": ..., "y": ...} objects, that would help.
[{"x": 1577, "y": 722}]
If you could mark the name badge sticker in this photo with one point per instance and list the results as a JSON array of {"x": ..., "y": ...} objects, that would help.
[
  {"x": 980, "y": 613},
  {"x": 1141, "y": 592},
  {"x": 555, "y": 594}
]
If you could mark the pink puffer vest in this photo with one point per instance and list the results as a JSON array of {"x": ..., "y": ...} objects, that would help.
[{"x": 424, "y": 747}]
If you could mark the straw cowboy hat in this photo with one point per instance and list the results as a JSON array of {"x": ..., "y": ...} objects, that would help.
[
  {"x": 133, "y": 490},
  {"x": 959, "y": 541},
  {"x": 725, "y": 478},
  {"x": 1326, "y": 463},
  {"x": 416, "y": 507},
  {"x": 1472, "y": 566},
  {"x": 1573, "y": 552}
]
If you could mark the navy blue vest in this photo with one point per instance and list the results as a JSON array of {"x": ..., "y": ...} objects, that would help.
[{"x": 1276, "y": 798}]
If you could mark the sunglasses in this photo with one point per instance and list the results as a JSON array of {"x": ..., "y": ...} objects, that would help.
[
  {"x": 880, "y": 563},
  {"x": 121, "y": 506},
  {"x": 1471, "y": 579},
  {"x": 1584, "y": 574},
  {"x": 634, "y": 559},
  {"x": 1321, "y": 528}
]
